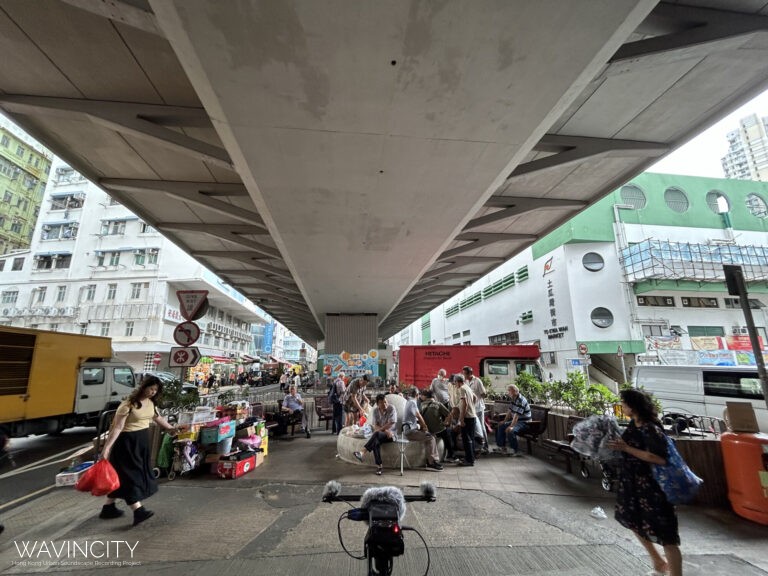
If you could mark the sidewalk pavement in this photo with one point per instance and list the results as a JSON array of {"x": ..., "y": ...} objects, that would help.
[{"x": 505, "y": 516}]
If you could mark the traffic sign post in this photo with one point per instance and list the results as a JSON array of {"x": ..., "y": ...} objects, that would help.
[
  {"x": 184, "y": 357},
  {"x": 583, "y": 349},
  {"x": 190, "y": 302},
  {"x": 186, "y": 333},
  {"x": 620, "y": 354},
  {"x": 156, "y": 359}
]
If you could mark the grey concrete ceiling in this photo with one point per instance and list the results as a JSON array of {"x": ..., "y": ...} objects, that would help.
[{"x": 358, "y": 156}]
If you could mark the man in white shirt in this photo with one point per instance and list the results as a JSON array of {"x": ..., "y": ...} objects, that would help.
[
  {"x": 439, "y": 387},
  {"x": 476, "y": 385},
  {"x": 293, "y": 407},
  {"x": 384, "y": 424},
  {"x": 466, "y": 406}
]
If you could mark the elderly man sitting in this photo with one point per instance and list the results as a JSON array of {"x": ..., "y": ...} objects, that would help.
[
  {"x": 415, "y": 429},
  {"x": 292, "y": 410},
  {"x": 516, "y": 421}
]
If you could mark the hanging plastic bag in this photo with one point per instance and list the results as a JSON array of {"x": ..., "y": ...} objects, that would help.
[
  {"x": 99, "y": 480},
  {"x": 362, "y": 421},
  {"x": 676, "y": 479}
]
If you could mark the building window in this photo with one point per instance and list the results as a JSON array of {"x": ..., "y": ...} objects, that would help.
[
  {"x": 20, "y": 150},
  {"x": 114, "y": 258},
  {"x": 90, "y": 292},
  {"x": 676, "y": 200},
  {"x": 68, "y": 201},
  {"x": 61, "y": 293},
  {"x": 696, "y": 302},
  {"x": 718, "y": 202},
  {"x": 129, "y": 328},
  {"x": 10, "y": 296},
  {"x": 54, "y": 328},
  {"x": 63, "y": 261},
  {"x": 504, "y": 339},
  {"x": 84, "y": 328},
  {"x": 735, "y": 303},
  {"x": 756, "y": 205},
  {"x": 601, "y": 317},
  {"x": 112, "y": 227},
  {"x": 16, "y": 227},
  {"x": 694, "y": 331},
  {"x": 7, "y": 197},
  {"x": 667, "y": 301},
  {"x": 5, "y": 141},
  {"x": 654, "y": 330},
  {"x": 593, "y": 262},
  {"x": 137, "y": 288},
  {"x": 457, "y": 336},
  {"x": 526, "y": 317},
  {"x": 111, "y": 291},
  {"x": 18, "y": 264},
  {"x": 2, "y": 262},
  {"x": 139, "y": 257},
  {"x": 634, "y": 196},
  {"x": 40, "y": 294},
  {"x": 152, "y": 256},
  {"x": 104, "y": 329},
  {"x": 43, "y": 262}
]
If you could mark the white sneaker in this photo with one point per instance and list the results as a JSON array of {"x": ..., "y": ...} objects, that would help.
[{"x": 503, "y": 450}]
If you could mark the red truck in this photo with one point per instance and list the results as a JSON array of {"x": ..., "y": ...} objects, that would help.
[{"x": 418, "y": 365}]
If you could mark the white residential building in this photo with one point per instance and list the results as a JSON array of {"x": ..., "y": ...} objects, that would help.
[
  {"x": 96, "y": 268},
  {"x": 747, "y": 157}
]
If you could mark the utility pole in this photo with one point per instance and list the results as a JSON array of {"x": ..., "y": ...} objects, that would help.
[{"x": 734, "y": 280}]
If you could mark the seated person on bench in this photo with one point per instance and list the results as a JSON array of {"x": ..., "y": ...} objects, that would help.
[
  {"x": 415, "y": 429},
  {"x": 515, "y": 422},
  {"x": 291, "y": 410}
]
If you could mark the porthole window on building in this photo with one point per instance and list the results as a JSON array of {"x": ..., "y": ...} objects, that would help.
[
  {"x": 593, "y": 262},
  {"x": 676, "y": 200},
  {"x": 633, "y": 195},
  {"x": 601, "y": 317},
  {"x": 718, "y": 202},
  {"x": 756, "y": 205}
]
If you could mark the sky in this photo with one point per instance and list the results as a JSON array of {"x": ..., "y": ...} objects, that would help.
[{"x": 701, "y": 156}]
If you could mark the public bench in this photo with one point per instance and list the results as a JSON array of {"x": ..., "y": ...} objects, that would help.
[
  {"x": 563, "y": 447},
  {"x": 537, "y": 425},
  {"x": 324, "y": 410}
]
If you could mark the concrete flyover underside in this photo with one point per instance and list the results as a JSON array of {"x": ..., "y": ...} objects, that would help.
[{"x": 369, "y": 157}]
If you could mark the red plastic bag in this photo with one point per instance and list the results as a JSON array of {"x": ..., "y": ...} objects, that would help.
[
  {"x": 85, "y": 482},
  {"x": 362, "y": 421},
  {"x": 100, "y": 479}
]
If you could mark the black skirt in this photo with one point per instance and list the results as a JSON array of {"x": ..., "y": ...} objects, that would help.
[{"x": 131, "y": 459}]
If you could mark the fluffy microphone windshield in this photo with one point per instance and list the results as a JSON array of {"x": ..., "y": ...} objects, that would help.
[
  {"x": 428, "y": 490},
  {"x": 387, "y": 495},
  {"x": 331, "y": 490}
]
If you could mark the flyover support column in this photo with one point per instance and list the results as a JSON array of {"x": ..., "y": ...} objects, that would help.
[{"x": 351, "y": 342}]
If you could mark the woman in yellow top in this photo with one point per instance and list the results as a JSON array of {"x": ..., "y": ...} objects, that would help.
[{"x": 127, "y": 449}]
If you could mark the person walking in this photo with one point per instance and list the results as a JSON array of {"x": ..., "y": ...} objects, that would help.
[
  {"x": 641, "y": 504},
  {"x": 355, "y": 400},
  {"x": 283, "y": 382},
  {"x": 384, "y": 423},
  {"x": 466, "y": 406},
  {"x": 128, "y": 450}
]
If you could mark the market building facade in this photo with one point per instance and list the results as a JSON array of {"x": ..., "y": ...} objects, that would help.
[
  {"x": 636, "y": 277},
  {"x": 96, "y": 268}
]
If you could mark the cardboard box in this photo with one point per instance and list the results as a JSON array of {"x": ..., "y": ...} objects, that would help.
[
  {"x": 212, "y": 458},
  {"x": 71, "y": 476},
  {"x": 200, "y": 415},
  {"x": 265, "y": 446},
  {"x": 236, "y": 468},
  {"x": 215, "y": 434},
  {"x": 741, "y": 417},
  {"x": 246, "y": 432},
  {"x": 191, "y": 435}
]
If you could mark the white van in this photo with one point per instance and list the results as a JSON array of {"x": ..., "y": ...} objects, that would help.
[{"x": 703, "y": 390}]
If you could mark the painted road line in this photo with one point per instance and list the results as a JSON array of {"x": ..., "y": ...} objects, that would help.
[{"x": 26, "y": 497}]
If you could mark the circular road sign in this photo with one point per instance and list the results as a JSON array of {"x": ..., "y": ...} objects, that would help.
[
  {"x": 186, "y": 333},
  {"x": 156, "y": 358},
  {"x": 583, "y": 349}
]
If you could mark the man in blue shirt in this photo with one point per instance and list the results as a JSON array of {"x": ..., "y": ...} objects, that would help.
[
  {"x": 293, "y": 409},
  {"x": 516, "y": 421}
]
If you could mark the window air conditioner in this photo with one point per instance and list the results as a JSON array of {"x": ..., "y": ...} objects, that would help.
[
  {"x": 52, "y": 311},
  {"x": 6, "y": 312},
  {"x": 138, "y": 252}
]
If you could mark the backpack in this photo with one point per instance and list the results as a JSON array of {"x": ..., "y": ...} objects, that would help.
[{"x": 333, "y": 394}]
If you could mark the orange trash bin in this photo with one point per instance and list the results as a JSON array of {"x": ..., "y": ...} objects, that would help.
[{"x": 745, "y": 457}]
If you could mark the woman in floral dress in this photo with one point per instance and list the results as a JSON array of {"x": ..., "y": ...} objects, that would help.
[{"x": 641, "y": 505}]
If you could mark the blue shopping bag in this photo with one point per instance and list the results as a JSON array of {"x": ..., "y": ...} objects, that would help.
[{"x": 678, "y": 482}]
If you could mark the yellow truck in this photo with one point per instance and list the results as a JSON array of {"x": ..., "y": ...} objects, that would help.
[{"x": 50, "y": 381}]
